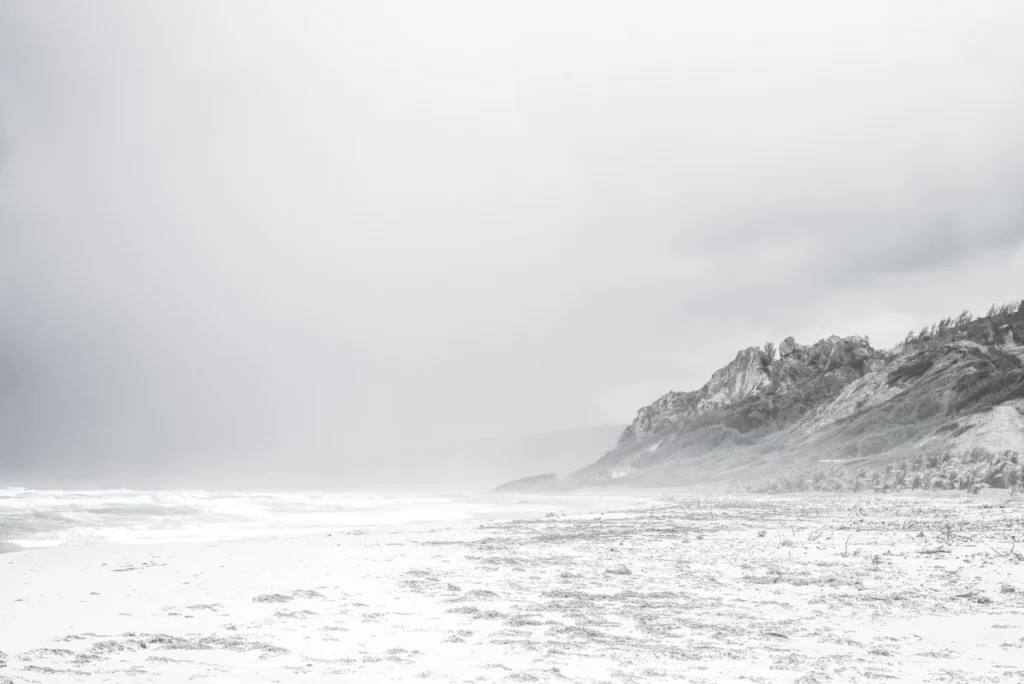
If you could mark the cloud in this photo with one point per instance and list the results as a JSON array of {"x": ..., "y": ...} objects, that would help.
[
  {"x": 252, "y": 233},
  {"x": 4, "y": 149}
]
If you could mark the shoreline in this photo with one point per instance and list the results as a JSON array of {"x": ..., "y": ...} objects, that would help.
[
  {"x": 674, "y": 589},
  {"x": 35, "y": 519}
]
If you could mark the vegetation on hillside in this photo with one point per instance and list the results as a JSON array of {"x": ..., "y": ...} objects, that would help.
[
  {"x": 1000, "y": 319},
  {"x": 981, "y": 469},
  {"x": 942, "y": 384},
  {"x": 935, "y": 379}
]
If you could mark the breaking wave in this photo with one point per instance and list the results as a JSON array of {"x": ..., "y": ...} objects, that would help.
[{"x": 35, "y": 519}]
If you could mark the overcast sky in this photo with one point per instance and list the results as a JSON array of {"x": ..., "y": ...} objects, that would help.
[{"x": 357, "y": 228}]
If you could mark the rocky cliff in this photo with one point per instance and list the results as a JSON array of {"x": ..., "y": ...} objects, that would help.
[{"x": 943, "y": 409}]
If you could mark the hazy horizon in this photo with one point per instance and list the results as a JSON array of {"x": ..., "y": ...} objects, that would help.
[{"x": 244, "y": 239}]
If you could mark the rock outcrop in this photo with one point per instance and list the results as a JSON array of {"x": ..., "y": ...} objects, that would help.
[
  {"x": 752, "y": 375},
  {"x": 792, "y": 412}
]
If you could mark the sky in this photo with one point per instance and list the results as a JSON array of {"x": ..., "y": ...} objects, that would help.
[{"x": 249, "y": 233}]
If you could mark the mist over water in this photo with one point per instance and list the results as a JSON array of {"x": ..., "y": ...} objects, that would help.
[{"x": 43, "y": 518}]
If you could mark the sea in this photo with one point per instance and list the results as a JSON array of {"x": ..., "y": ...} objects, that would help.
[{"x": 32, "y": 519}]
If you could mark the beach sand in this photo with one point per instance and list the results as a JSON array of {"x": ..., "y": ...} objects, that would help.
[{"x": 675, "y": 589}]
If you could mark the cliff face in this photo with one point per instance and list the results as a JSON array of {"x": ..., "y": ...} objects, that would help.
[
  {"x": 748, "y": 373},
  {"x": 955, "y": 391},
  {"x": 753, "y": 375}
]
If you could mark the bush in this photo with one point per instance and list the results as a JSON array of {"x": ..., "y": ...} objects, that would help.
[
  {"x": 911, "y": 371},
  {"x": 927, "y": 406},
  {"x": 987, "y": 390}
]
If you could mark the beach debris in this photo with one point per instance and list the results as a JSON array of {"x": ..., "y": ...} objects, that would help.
[
  {"x": 1006, "y": 588},
  {"x": 762, "y": 533},
  {"x": 213, "y": 607},
  {"x": 935, "y": 549},
  {"x": 618, "y": 570},
  {"x": 296, "y": 614},
  {"x": 141, "y": 566}
]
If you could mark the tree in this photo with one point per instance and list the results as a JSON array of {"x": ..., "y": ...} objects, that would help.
[{"x": 769, "y": 351}]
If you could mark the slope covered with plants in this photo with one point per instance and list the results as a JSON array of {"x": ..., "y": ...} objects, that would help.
[{"x": 942, "y": 409}]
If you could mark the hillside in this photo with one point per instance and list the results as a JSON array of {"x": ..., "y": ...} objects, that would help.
[{"x": 944, "y": 409}]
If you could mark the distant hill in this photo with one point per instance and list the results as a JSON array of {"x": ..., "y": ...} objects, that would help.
[
  {"x": 498, "y": 459},
  {"x": 944, "y": 409},
  {"x": 534, "y": 483}
]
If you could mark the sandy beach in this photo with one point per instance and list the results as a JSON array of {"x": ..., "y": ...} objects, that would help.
[{"x": 695, "y": 589}]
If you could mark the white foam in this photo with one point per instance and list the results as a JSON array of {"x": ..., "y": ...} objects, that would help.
[
  {"x": 39, "y": 519},
  {"x": 35, "y": 519}
]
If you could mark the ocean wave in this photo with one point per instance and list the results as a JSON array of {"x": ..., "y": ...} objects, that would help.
[
  {"x": 36, "y": 518},
  {"x": 7, "y": 547}
]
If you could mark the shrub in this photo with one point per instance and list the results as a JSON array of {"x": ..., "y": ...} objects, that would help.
[
  {"x": 910, "y": 371},
  {"x": 988, "y": 390},
  {"x": 927, "y": 406}
]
